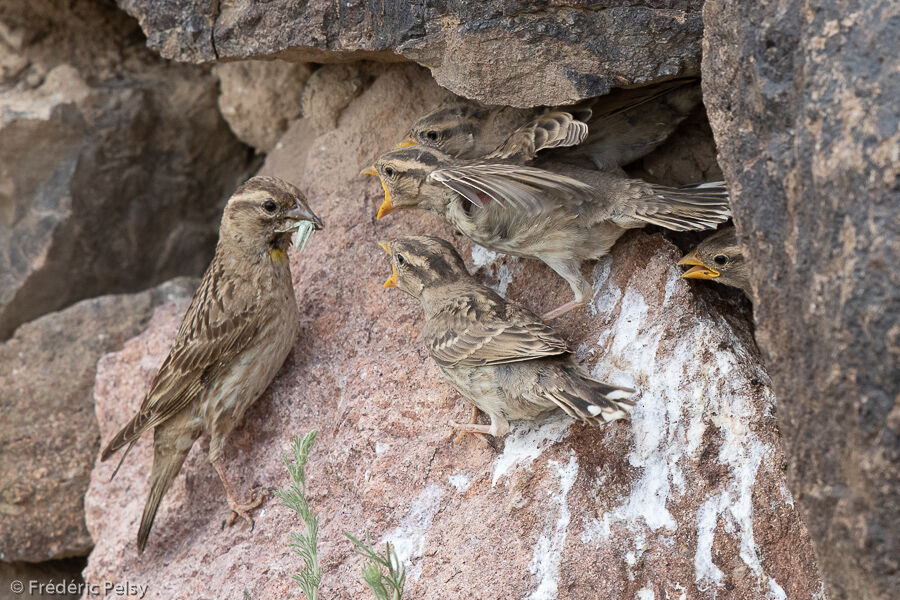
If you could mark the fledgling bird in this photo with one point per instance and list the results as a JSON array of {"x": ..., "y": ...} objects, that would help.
[
  {"x": 719, "y": 258},
  {"x": 495, "y": 353},
  {"x": 236, "y": 334},
  {"x": 559, "y": 213},
  {"x": 618, "y": 128}
]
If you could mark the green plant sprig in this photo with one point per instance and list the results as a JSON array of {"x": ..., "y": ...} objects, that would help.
[
  {"x": 383, "y": 573},
  {"x": 303, "y": 544}
]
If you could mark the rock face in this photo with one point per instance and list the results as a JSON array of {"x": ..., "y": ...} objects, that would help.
[
  {"x": 113, "y": 163},
  {"x": 498, "y": 51},
  {"x": 260, "y": 98},
  {"x": 687, "y": 500},
  {"x": 802, "y": 98},
  {"x": 48, "y": 433}
]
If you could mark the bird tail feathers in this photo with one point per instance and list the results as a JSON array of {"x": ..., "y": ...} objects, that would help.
[
  {"x": 592, "y": 401},
  {"x": 692, "y": 207},
  {"x": 128, "y": 435},
  {"x": 166, "y": 465}
]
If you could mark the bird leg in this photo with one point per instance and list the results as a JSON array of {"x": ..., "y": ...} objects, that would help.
[
  {"x": 472, "y": 421},
  {"x": 561, "y": 310},
  {"x": 238, "y": 509},
  {"x": 570, "y": 270},
  {"x": 498, "y": 427}
]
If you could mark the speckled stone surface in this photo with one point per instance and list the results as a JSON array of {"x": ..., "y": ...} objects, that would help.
[
  {"x": 802, "y": 98},
  {"x": 687, "y": 500}
]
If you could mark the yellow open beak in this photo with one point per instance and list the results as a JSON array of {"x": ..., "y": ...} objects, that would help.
[
  {"x": 388, "y": 204},
  {"x": 392, "y": 280},
  {"x": 409, "y": 141},
  {"x": 698, "y": 270}
]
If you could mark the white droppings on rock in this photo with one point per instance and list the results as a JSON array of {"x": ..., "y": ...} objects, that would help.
[
  {"x": 482, "y": 257},
  {"x": 504, "y": 278},
  {"x": 527, "y": 440},
  {"x": 775, "y": 591},
  {"x": 548, "y": 551},
  {"x": 409, "y": 539},
  {"x": 645, "y": 593},
  {"x": 674, "y": 409},
  {"x": 786, "y": 495},
  {"x": 678, "y": 588},
  {"x": 707, "y": 516},
  {"x": 460, "y": 482},
  {"x": 505, "y": 272}
]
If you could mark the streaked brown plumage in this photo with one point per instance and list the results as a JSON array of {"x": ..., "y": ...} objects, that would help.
[
  {"x": 559, "y": 213},
  {"x": 719, "y": 258},
  {"x": 619, "y": 127},
  {"x": 238, "y": 330},
  {"x": 498, "y": 355}
]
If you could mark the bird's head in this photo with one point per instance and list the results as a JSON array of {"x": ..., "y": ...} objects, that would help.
[
  {"x": 719, "y": 258},
  {"x": 404, "y": 177},
  {"x": 451, "y": 128},
  {"x": 263, "y": 213},
  {"x": 421, "y": 262}
]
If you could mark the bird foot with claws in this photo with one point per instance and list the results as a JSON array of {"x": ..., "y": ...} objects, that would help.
[
  {"x": 242, "y": 509},
  {"x": 239, "y": 509},
  {"x": 486, "y": 433},
  {"x": 462, "y": 434}
]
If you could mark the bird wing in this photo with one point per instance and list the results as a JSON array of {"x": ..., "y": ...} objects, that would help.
[
  {"x": 480, "y": 328},
  {"x": 216, "y": 328},
  {"x": 514, "y": 186},
  {"x": 554, "y": 129},
  {"x": 694, "y": 207},
  {"x": 625, "y": 100}
]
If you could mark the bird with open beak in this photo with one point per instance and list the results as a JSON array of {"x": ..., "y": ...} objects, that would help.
[
  {"x": 499, "y": 356},
  {"x": 236, "y": 334},
  {"x": 719, "y": 258},
  {"x": 559, "y": 213}
]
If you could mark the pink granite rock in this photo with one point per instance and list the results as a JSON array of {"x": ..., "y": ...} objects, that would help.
[{"x": 687, "y": 500}]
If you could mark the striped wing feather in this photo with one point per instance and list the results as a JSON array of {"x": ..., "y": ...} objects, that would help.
[
  {"x": 208, "y": 339},
  {"x": 555, "y": 129},
  {"x": 514, "y": 186},
  {"x": 480, "y": 328}
]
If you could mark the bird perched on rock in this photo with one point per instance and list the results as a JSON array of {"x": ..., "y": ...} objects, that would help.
[
  {"x": 720, "y": 259},
  {"x": 618, "y": 128},
  {"x": 559, "y": 213},
  {"x": 236, "y": 334},
  {"x": 498, "y": 355}
]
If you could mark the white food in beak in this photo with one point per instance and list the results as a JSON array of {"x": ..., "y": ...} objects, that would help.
[{"x": 304, "y": 232}]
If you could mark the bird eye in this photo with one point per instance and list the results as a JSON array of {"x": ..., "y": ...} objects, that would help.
[
  {"x": 721, "y": 259},
  {"x": 401, "y": 260},
  {"x": 389, "y": 171},
  {"x": 432, "y": 135},
  {"x": 269, "y": 206}
]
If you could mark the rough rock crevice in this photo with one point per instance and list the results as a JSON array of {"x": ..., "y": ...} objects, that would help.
[
  {"x": 802, "y": 101},
  {"x": 498, "y": 52},
  {"x": 686, "y": 498},
  {"x": 113, "y": 163}
]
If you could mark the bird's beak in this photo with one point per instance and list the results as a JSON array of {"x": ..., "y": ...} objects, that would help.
[
  {"x": 409, "y": 141},
  {"x": 302, "y": 213},
  {"x": 388, "y": 204},
  {"x": 392, "y": 280},
  {"x": 698, "y": 270},
  {"x": 302, "y": 220}
]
